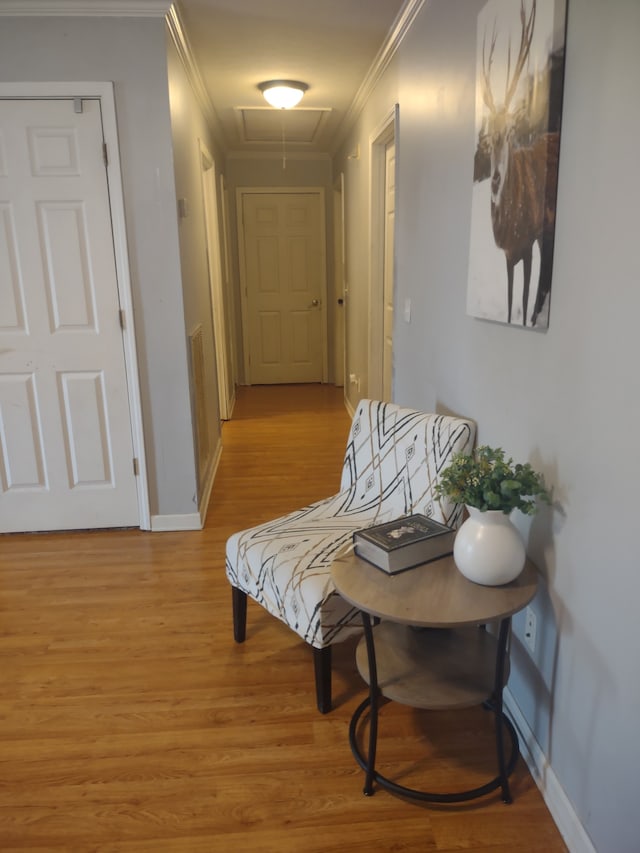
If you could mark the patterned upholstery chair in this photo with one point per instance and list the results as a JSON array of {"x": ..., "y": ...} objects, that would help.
[{"x": 393, "y": 460}]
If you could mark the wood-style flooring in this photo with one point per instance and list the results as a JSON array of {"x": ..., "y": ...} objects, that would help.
[{"x": 131, "y": 722}]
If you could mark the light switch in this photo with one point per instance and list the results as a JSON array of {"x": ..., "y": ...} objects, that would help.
[{"x": 407, "y": 310}]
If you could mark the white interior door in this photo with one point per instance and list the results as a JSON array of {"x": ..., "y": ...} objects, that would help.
[
  {"x": 222, "y": 332},
  {"x": 227, "y": 282},
  {"x": 66, "y": 450},
  {"x": 383, "y": 157},
  {"x": 338, "y": 284},
  {"x": 388, "y": 277},
  {"x": 285, "y": 283}
]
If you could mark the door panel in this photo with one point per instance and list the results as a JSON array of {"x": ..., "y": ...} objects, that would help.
[
  {"x": 269, "y": 338},
  {"x": 85, "y": 429},
  {"x": 284, "y": 271},
  {"x": 66, "y": 451},
  {"x": 267, "y": 270},
  {"x": 67, "y": 278},
  {"x": 21, "y": 435},
  {"x": 12, "y": 299},
  {"x": 301, "y": 338}
]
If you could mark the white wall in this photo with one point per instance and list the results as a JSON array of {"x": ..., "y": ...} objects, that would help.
[
  {"x": 132, "y": 53},
  {"x": 567, "y": 400}
]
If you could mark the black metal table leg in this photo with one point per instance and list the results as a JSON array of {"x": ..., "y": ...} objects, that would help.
[
  {"x": 495, "y": 704},
  {"x": 501, "y": 654},
  {"x": 373, "y": 704}
]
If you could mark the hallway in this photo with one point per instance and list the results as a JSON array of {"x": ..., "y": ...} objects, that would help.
[{"x": 132, "y": 722}]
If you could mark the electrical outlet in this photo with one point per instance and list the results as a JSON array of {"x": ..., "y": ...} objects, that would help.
[{"x": 530, "y": 629}]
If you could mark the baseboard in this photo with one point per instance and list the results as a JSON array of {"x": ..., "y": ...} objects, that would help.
[
  {"x": 232, "y": 403},
  {"x": 559, "y": 805},
  {"x": 347, "y": 404},
  {"x": 166, "y": 523}
]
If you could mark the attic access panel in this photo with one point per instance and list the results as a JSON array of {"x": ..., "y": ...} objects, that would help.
[{"x": 301, "y": 125}]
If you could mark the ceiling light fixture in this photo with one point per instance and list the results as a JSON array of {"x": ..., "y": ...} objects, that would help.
[{"x": 283, "y": 94}]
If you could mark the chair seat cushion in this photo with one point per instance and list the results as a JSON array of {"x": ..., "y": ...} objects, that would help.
[{"x": 285, "y": 566}]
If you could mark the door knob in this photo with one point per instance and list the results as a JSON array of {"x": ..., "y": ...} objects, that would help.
[{"x": 315, "y": 303}]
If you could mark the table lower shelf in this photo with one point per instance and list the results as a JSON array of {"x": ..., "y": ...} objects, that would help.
[{"x": 433, "y": 668}]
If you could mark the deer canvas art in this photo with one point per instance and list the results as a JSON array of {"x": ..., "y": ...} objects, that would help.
[{"x": 520, "y": 65}]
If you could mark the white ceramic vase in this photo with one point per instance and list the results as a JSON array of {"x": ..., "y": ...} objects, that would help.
[{"x": 488, "y": 548}]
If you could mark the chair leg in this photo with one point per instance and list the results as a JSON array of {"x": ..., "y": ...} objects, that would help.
[
  {"x": 239, "y": 599},
  {"x": 321, "y": 657},
  {"x": 322, "y": 667}
]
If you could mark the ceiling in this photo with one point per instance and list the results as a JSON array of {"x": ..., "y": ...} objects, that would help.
[{"x": 335, "y": 46}]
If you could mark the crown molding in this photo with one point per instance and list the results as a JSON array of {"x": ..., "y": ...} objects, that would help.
[
  {"x": 180, "y": 39},
  {"x": 85, "y": 8},
  {"x": 394, "y": 39}
]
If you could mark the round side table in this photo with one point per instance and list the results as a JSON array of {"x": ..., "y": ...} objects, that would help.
[{"x": 459, "y": 667}]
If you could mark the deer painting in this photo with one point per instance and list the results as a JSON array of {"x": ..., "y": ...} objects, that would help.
[{"x": 521, "y": 161}]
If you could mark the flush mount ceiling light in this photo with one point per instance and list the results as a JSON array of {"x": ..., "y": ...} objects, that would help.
[{"x": 283, "y": 94}]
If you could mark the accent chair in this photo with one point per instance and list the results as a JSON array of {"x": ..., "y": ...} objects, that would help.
[{"x": 393, "y": 460}]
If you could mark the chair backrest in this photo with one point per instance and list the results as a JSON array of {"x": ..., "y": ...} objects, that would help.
[{"x": 395, "y": 457}]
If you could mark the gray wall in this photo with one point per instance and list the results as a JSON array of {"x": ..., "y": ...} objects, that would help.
[
  {"x": 190, "y": 132},
  {"x": 567, "y": 400},
  {"x": 132, "y": 53}
]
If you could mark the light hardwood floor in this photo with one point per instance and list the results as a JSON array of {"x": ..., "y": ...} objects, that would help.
[{"x": 131, "y": 721}]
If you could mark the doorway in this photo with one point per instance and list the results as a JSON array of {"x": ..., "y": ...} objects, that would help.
[{"x": 382, "y": 264}]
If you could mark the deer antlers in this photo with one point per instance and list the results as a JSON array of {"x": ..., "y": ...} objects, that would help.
[
  {"x": 526, "y": 36},
  {"x": 487, "y": 97}
]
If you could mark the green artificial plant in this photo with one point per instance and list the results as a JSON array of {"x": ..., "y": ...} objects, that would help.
[{"x": 488, "y": 481}]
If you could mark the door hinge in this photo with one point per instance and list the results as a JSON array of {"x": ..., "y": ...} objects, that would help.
[
  {"x": 77, "y": 105},
  {"x": 123, "y": 325},
  {"x": 105, "y": 154},
  {"x": 136, "y": 467}
]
